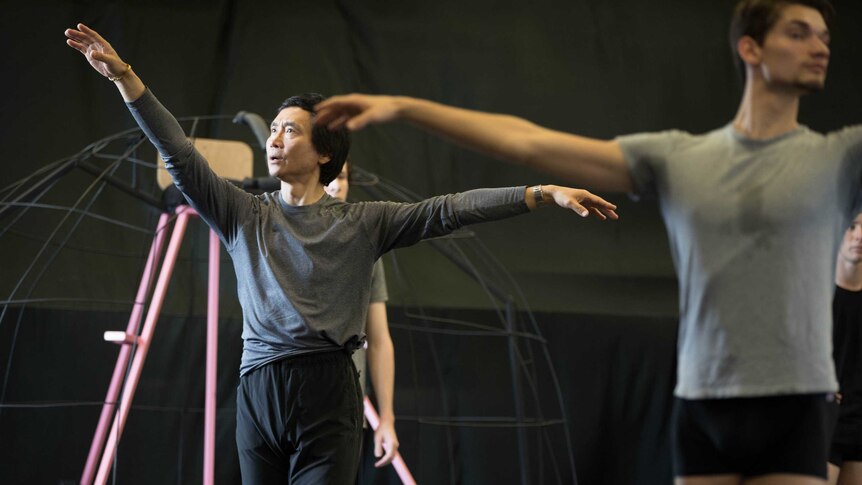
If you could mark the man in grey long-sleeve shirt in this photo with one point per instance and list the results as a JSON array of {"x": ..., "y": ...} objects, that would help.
[{"x": 303, "y": 262}]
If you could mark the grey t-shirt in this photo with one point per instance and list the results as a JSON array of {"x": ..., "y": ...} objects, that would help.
[
  {"x": 304, "y": 272},
  {"x": 754, "y": 227},
  {"x": 378, "y": 295},
  {"x": 378, "y": 284}
]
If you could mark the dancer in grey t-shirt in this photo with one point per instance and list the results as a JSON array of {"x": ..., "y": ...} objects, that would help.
[
  {"x": 754, "y": 212},
  {"x": 303, "y": 262}
]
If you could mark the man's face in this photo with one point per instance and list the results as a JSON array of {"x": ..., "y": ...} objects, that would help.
[
  {"x": 338, "y": 188},
  {"x": 290, "y": 153},
  {"x": 795, "y": 52},
  {"x": 851, "y": 247}
]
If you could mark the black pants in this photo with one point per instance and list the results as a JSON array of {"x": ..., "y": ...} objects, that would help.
[{"x": 299, "y": 421}]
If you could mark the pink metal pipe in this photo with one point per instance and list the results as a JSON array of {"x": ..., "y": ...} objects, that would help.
[
  {"x": 398, "y": 462},
  {"x": 125, "y": 351},
  {"x": 212, "y": 364},
  {"x": 145, "y": 339}
]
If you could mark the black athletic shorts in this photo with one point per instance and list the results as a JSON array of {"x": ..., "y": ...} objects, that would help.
[
  {"x": 840, "y": 452},
  {"x": 752, "y": 436},
  {"x": 299, "y": 421},
  {"x": 846, "y": 440}
]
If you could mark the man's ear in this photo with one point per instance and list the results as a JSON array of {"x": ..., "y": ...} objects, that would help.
[
  {"x": 749, "y": 50},
  {"x": 323, "y": 159}
]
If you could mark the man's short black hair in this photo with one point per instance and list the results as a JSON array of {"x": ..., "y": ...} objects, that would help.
[
  {"x": 334, "y": 143},
  {"x": 755, "y": 18}
]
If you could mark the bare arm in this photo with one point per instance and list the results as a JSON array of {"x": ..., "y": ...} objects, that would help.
[
  {"x": 595, "y": 164},
  {"x": 106, "y": 61},
  {"x": 381, "y": 368}
]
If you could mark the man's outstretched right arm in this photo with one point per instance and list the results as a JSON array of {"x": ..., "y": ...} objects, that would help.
[{"x": 595, "y": 164}]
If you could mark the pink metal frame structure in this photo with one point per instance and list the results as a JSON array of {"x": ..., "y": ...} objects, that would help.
[
  {"x": 109, "y": 407},
  {"x": 139, "y": 345},
  {"x": 135, "y": 347}
]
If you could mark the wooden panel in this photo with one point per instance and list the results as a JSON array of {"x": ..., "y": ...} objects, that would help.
[{"x": 229, "y": 159}]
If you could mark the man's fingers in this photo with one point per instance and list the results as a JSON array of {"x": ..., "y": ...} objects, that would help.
[
  {"x": 595, "y": 200},
  {"x": 359, "y": 121},
  {"x": 77, "y": 36},
  {"x": 577, "y": 207},
  {"x": 76, "y": 45},
  {"x": 338, "y": 123},
  {"x": 92, "y": 33},
  {"x": 334, "y": 105},
  {"x": 353, "y": 111},
  {"x": 378, "y": 446},
  {"x": 604, "y": 211},
  {"x": 390, "y": 448},
  {"x": 326, "y": 103},
  {"x": 327, "y": 116},
  {"x": 324, "y": 115},
  {"x": 598, "y": 214},
  {"x": 73, "y": 34},
  {"x": 387, "y": 458},
  {"x": 100, "y": 56},
  {"x": 600, "y": 207},
  {"x": 338, "y": 101}
]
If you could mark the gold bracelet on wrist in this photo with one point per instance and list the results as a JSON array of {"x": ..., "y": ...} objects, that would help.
[{"x": 121, "y": 75}]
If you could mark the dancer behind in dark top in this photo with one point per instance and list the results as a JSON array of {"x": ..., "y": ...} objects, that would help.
[
  {"x": 303, "y": 262},
  {"x": 845, "y": 458}
]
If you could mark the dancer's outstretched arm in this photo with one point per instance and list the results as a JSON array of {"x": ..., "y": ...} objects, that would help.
[
  {"x": 595, "y": 164},
  {"x": 106, "y": 61},
  {"x": 220, "y": 203}
]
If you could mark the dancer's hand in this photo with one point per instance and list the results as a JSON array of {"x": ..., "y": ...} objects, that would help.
[
  {"x": 97, "y": 50},
  {"x": 106, "y": 61},
  {"x": 578, "y": 200},
  {"x": 385, "y": 444},
  {"x": 356, "y": 111}
]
